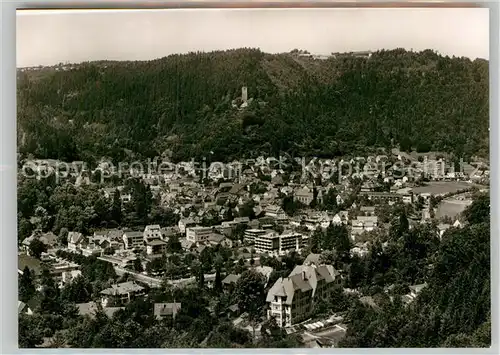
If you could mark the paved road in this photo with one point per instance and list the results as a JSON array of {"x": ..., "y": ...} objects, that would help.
[{"x": 152, "y": 281}]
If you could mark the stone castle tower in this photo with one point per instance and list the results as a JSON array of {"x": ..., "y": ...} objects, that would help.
[{"x": 244, "y": 94}]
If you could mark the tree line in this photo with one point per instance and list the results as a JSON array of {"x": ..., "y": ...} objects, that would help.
[{"x": 182, "y": 106}]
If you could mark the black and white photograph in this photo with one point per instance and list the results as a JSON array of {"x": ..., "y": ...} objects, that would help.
[{"x": 253, "y": 178}]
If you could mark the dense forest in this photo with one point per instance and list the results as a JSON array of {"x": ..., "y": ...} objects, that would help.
[
  {"x": 188, "y": 105},
  {"x": 454, "y": 310}
]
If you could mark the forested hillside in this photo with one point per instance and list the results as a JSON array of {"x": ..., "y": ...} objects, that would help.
[
  {"x": 184, "y": 104},
  {"x": 453, "y": 311}
]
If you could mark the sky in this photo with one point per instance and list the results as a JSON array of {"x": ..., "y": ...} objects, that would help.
[{"x": 47, "y": 37}]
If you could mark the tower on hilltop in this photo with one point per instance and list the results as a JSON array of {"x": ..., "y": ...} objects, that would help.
[{"x": 244, "y": 94}]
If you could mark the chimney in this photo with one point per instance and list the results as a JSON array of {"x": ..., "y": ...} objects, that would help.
[
  {"x": 304, "y": 275},
  {"x": 244, "y": 94}
]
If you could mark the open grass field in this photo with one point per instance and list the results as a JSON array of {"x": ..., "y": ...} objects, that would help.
[
  {"x": 443, "y": 187},
  {"x": 24, "y": 260},
  {"x": 451, "y": 207}
]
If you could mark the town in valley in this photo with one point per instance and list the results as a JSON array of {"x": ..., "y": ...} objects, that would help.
[{"x": 246, "y": 178}]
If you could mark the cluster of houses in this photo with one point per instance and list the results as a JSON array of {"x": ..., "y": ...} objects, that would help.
[
  {"x": 62, "y": 271},
  {"x": 272, "y": 231}
]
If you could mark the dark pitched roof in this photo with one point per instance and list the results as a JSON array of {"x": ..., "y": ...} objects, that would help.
[
  {"x": 216, "y": 237},
  {"x": 241, "y": 219},
  {"x": 418, "y": 288},
  {"x": 122, "y": 288},
  {"x": 91, "y": 308},
  {"x": 236, "y": 188},
  {"x": 166, "y": 309},
  {"x": 277, "y": 180},
  {"x": 299, "y": 283},
  {"x": 156, "y": 242}
]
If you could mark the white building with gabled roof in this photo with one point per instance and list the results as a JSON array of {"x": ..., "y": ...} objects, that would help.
[{"x": 291, "y": 299}]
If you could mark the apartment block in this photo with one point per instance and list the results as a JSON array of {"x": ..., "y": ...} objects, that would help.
[
  {"x": 251, "y": 234},
  {"x": 133, "y": 239},
  {"x": 273, "y": 243},
  {"x": 198, "y": 234}
]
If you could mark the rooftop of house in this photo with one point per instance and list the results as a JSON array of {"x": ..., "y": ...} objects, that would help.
[
  {"x": 200, "y": 228},
  {"x": 187, "y": 220},
  {"x": 186, "y": 244},
  {"x": 236, "y": 188},
  {"x": 255, "y": 230},
  {"x": 166, "y": 309},
  {"x": 91, "y": 308},
  {"x": 46, "y": 238},
  {"x": 269, "y": 235},
  {"x": 216, "y": 237},
  {"x": 170, "y": 230},
  {"x": 231, "y": 278},
  {"x": 156, "y": 242},
  {"x": 98, "y": 239},
  {"x": 27, "y": 241},
  {"x": 404, "y": 191},
  {"x": 418, "y": 288},
  {"x": 209, "y": 277},
  {"x": 380, "y": 194},
  {"x": 323, "y": 272},
  {"x": 277, "y": 180},
  {"x": 74, "y": 237},
  {"x": 20, "y": 306},
  {"x": 286, "y": 287},
  {"x": 122, "y": 288},
  {"x": 304, "y": 191},
  {"x": 273, "y": 208},
  {"x": 132, "y": 234}
]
